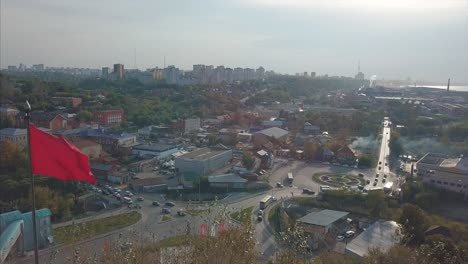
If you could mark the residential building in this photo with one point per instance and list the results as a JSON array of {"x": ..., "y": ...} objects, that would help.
[
  {"x": 159, "y": 151},
  {"x": 108, "y": 117},
  {"x": 105, "y": 73},
  {"x": 16, "y": 232},
  {"x": 8, "y": 112},
  {"x": 52, "y": 121},
  {"x": 346, "y": 155},
  {"x": 443, "y": 231},
  {"x": 66, "y": 101},
  {"x": 446, "y": 173},
  {"x": 15, "y": 135},
  {"x": 119, "y": 71},
  {"x": 381, "y": 235},
  {"x": 203, "y": 161},
  {"x": 117, "y": 143},
  {"x": 227, "y": 182},
  {"x": 323, "y": 221},
  {"x": 191, "y": 125}
]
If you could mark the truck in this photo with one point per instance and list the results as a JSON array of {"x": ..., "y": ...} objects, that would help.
[{"x": 290, "y": 177}]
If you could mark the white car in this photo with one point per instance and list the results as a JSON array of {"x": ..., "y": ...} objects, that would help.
[
  {"x": 339, "y": 238},
  {"x": 349, "y": 233},
  {"x": 274, "y": 199}
]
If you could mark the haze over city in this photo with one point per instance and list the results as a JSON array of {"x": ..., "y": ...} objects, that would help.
[{"x": 423, "y": 40}]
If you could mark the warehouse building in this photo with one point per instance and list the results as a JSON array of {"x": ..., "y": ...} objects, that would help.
[
  {"x": 381, "y": 234},
  {"x": 442, "y": 172},
  {"x": 203, "y": 161}
]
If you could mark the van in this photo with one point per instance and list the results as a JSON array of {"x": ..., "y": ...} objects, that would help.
[{"x": 127, "y": 200}]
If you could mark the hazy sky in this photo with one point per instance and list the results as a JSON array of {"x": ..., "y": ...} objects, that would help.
[{"x": 421, "y": 39}]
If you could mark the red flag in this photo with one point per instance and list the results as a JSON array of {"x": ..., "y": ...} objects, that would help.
[
  {"x": 55, "y": 157},
  {"x": 221, "y": 227}
]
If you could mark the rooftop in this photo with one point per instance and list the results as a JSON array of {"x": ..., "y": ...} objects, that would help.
[
  {"x": 381, "y": 234},
  {"x": 202, "y": 154},
  {"x": 432, "y": 158},
  {"x": 13, "y": 131},
  {"x": 231, "y": 178},
  {"x": 101, "y": 166},
  {"x": 323, "y": 218},
  {"x": 156, "y": 147},
  {"x": 275, "y": 132},
  {"x": 456, "y": 165}
]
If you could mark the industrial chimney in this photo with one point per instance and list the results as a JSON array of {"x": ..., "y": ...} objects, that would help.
[{"x": 448, "y": 85}]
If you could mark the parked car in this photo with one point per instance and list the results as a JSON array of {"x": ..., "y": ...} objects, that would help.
[
  {"x": 339, "y": 238},
  {"x": 171, "y": 204},
  {"x": 384, "y": 180},
  {"x": 259, "y": 218},
  {"x": 260, "y": 212},
  {"x": 367, "y": 181},
  {"x": 279, "y": 185},
  {"x": 307, "y": 191},
  {"x": 166, "y": 210},
  {"x": 375, "y": 183},
  {"x": 361, "y": 175},
  {"x": 155, "y": 203},
  {"x": 385, "y": 176},
  {"x": 380, "y": 162},
  {"x": 181, "y": 212},
  {"x": 274, "y": 199},
  {"x": 349, "y": 233},
  {"x": 380, "y": 167},
  {"x": 128, "y": 193},
  {"x": 140, "y": 198}
]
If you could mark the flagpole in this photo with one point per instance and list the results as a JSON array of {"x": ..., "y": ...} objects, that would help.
[{"x": 28, "y": 119}]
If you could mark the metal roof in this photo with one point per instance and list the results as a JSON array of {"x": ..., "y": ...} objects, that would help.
[
  {"x": 156, "y": 147},
  {"x": 275, "y": 132},
  {"x": 226, "y": 178},
  {"x": 203, "y": 154},
  {"x": 381, "y": 234},
  {"x": 7, "y": 218},
  {"x": 41, "y": 213},
  {"x": 323, "y": 218},
  {"x": 13, "y": 131}
]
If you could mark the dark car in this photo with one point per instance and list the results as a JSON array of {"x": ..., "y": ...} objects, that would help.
[
  {"x": 259, "y": 218},
  {"x": 368, "y": 181},
  {"x": 307, "y": 191},
  {"x": 361, "y": 175},
  {"x": 279, "y": 185},
  {"x": 156, "y": 203},
  {"x": 166, "y": 210},
  {"x": 171, "y": 204}
]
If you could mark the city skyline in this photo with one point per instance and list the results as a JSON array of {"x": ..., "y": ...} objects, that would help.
[{"x": 327, "y": 38}]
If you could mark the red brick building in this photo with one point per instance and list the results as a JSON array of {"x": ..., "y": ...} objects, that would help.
[
  {"x": 52, "y": 121},
  {"x": 108, "y": 117}
]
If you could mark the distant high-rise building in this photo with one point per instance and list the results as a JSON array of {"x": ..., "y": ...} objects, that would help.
[
  {"x": 12, "y": 68},
  {"x": 119, "y": 71},
  {"x": 312, "y": 74},
  {"x": 306, "y": 74},
  {"x": 359, "y": 76},
  {"x": 171, "y": 74},
  {"x": 22, "y": 67},
  {"x": 260, "y": 72},
  {"x": 37, "y": 67},
  {"x": 448, "y": 85},
  {"x": 105, "y": 72}
]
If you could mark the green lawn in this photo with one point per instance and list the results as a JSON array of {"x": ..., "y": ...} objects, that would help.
[
  {"x": 244, "y": 216},
  {"x": 196, "y": 212},
  {"x": 72, "y": 233}
]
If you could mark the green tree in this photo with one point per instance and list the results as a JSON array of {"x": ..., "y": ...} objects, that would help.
[
  {"x": 414, "y": 223},
  {"x": 84, "y": 116},
  {"x": 376, "y": 203},
  {"x": 248, "y": 160}
]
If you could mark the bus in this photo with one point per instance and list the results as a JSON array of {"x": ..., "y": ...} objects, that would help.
[
  {"x": 290, "y": 177},
  {"x": 265, "y": 201}
]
